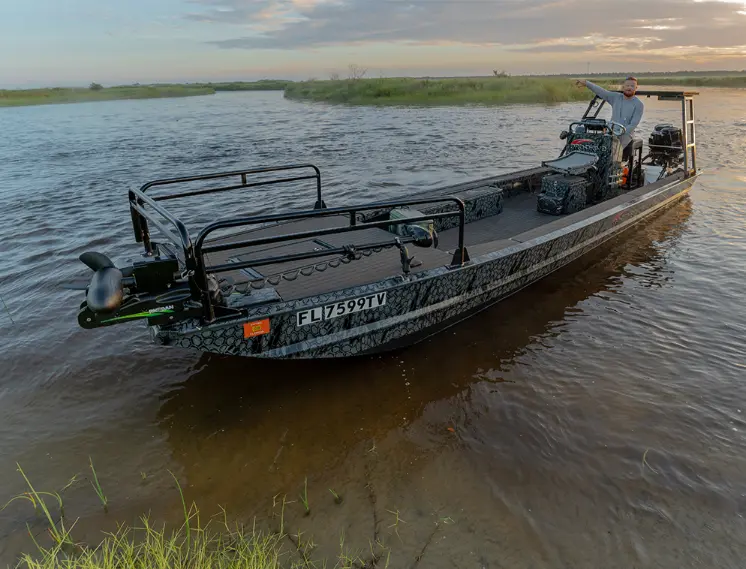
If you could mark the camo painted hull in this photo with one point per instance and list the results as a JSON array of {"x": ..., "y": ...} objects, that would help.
[{"x": 401, "y": 311}]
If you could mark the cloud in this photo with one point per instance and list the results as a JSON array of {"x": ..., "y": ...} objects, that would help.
[{"x": 632, "y": 27}]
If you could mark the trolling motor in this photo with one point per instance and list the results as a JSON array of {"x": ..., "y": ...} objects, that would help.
[
  {"x": 151, "y": 290},
  {"x": 106, "y": 290}
]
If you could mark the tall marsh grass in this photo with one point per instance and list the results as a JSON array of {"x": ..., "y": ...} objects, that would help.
[
  {"x": 25, "y": 97},
  {"x": 408, "y": 91}
]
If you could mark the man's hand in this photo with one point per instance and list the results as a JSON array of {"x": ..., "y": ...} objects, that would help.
[{"x": 580, "y": 82}]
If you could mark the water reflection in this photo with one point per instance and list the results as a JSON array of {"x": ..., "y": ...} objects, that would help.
[{"x": 251, "y": 428}]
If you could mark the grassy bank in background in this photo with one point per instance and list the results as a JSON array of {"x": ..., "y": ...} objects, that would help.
[
  {"x": 726, "y": 81},
  {"x": 447, "y": 91},
  {"x": 24, "y": 97},
  {"x": 263, "y": 85},
  {"x": 383, "y": 91}
]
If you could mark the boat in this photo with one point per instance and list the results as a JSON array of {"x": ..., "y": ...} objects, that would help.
[{"x": 340, "y": 281}]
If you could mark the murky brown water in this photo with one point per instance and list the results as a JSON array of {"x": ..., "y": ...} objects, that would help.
[{"x": 522, "y": 432}]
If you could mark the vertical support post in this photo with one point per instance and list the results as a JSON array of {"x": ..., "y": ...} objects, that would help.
[
  {"x": 461, "y": 255},
  {"x": 694, "y": 135},
  {"x": 140, "y": 225},
  {"x": 319, "y": 202},
  {"x": 200, "y": 277},
  {"x": 686, "y": 135}
]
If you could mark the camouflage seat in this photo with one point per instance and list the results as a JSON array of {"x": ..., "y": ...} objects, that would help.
[{"x": 604, "y": 177}]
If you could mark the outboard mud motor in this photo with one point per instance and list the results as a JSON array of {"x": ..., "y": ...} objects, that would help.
[{"x": 666, "y": 145}]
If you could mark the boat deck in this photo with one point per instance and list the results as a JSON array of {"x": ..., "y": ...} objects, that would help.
[{"x": 519, "y": 214}]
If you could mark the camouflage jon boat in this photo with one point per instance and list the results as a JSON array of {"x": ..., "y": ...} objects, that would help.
[{"x": 344, "y": 281}]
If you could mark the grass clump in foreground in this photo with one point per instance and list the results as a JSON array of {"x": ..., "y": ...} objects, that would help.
[
  {"x": 25, "y": 97},
  {"x": 190, "y": 546},
  {"x": 408, "y": 91},
  {"x": 145, "y": 547}
]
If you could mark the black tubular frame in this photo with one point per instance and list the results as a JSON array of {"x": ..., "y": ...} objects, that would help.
[
  {"x": 194, "y": 252},
  {"x": 687, "y": 119},
  {"x": 460, "y": 255},
  {"x": 138, "y": 197}
]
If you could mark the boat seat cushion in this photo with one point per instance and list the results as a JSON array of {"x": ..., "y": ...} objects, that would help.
[
  {"x": 573, "y": 163},
  {"x": 634, "y": 145}
]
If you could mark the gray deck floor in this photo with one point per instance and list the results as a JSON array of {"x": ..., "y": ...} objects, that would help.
[
  {"x": 366, "y": 270},
  {"x": 519, "y": 214}
]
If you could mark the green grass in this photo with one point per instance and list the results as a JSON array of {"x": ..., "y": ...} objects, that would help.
[
  {"x": 263, "y": 85},
  {"x": 97, "y": 487},
  {"x": 666, "y": 80},
  {"x": 731, "y": 81},
  {"x": 56, "y": 95},
  {"x": 192, "y": 545},
  {"x": 384, "y": 91},
  {"x": 24, "y": 97},
  {"x": 449, "y": 91}
]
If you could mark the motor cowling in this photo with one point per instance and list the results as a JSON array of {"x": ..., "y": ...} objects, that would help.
[{"x": 666, "y": 144}]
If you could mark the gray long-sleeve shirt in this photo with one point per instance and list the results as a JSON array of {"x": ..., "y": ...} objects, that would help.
[{"x": 627, "y": 112}]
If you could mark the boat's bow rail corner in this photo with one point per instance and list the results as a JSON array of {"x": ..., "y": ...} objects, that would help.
[{"x": 141, "y": 217}]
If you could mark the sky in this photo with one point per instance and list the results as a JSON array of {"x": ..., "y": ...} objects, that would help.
[{"x": 75, "y": 42}]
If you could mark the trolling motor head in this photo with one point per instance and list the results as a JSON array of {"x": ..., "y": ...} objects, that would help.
[
  {"x": 105, "y": 291},
  {"x": 151, "y": 290}
]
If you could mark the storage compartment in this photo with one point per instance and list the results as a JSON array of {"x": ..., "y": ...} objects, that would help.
[
  {"x": 479, "y": 203},
  {"x": 561, "y": 194},
  {"x": 423, "y": 231}
]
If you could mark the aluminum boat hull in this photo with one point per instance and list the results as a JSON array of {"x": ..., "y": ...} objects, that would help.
[{"x": 419, "y": 305}]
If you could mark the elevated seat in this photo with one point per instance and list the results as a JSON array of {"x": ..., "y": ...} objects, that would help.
[
  {"x": 573, "y": 163},
  {"x": 634, "y": 146}
]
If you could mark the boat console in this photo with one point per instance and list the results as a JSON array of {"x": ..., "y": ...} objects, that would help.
[{"x": 593, "y": 167}]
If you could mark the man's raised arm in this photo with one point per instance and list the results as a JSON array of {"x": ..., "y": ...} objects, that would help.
[{"x": 607, "y": 96}]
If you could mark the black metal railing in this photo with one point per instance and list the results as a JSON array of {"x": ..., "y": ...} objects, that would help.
[
  {"x": 138, "y": 198},
  {"x": 146, "y": 211},
  {"x": 594, "y": 104},
  {"x": 687, "y": 120},
  {"x": 200, "y": 249}
]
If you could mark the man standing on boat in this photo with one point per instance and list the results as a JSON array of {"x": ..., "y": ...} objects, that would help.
[{"x": 626, "y": 108}]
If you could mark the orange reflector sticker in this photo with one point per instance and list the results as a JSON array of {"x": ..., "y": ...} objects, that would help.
[{"x": 258, "y": 328}]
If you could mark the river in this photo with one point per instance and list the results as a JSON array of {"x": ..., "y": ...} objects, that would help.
[{"x": 596, "y": 419}]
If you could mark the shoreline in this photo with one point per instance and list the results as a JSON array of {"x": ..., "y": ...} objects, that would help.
[
  {"x": 36, "y": 97},
  {"x": 484, "y": 91},
  {"x": 385, "y": 91},
  {"x": 94, "y": 93}
]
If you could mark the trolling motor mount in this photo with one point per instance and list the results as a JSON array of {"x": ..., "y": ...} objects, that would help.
[{"x": 149, "y": 290}]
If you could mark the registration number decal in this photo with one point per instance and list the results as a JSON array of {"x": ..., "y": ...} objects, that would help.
[{"x": 337, "y": 309}]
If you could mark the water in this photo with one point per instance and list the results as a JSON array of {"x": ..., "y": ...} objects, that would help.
[{"x": 522, "y": 432}]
